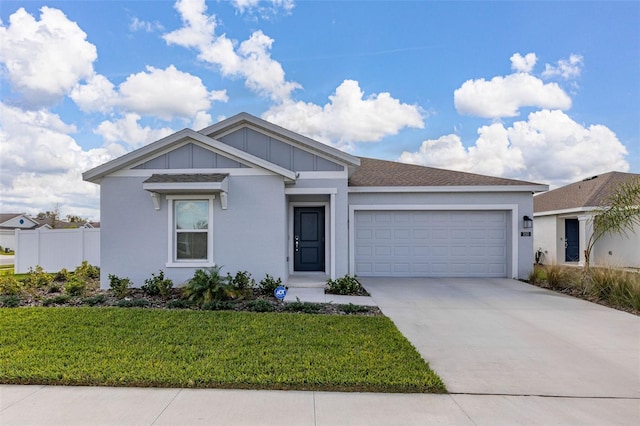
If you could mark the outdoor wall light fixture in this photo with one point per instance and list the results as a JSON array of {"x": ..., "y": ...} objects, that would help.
[{"x": 527, "y": 222}]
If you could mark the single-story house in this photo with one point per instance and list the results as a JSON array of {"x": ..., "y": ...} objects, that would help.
[
  {"x": 9, "y": 222},
  {"x": 249, "y": 195},
  {"x": 563, "y": 222}
]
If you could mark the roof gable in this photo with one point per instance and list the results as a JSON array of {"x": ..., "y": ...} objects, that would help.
[
  {"x": 177, "y": 140},
  {"x": 381, "y": 173},
  {"x": 590, "y": 192},
  {"x": 244, "y": 120},
  {"x": 17, "y": 220},
  {"x": 190, "y": 156}
]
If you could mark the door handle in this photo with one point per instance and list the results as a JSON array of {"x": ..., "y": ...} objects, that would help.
[{"x": 297, "y": 243}]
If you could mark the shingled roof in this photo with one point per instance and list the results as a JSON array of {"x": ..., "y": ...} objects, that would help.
[
  {"x": 186, "y": 178},
  {"x": 590, "y": 192},
  {"x": 389, "y": 173}
]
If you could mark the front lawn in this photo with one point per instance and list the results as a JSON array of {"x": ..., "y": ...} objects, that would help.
[{"x": 182, "y": 348}]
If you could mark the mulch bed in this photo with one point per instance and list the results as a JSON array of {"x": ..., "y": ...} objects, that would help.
[
  {"x": 575, "y": 292},
  {"x": 137, "y": 298}
]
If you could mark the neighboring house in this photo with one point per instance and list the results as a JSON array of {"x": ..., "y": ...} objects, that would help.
[
  {"x": 246, "y": 194},
  {"x": 563, "y": 223},
  {"x": 9, "y": 222}
]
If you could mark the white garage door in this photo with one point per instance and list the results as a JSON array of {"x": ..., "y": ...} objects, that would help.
[{"x": 431, "y": 243}]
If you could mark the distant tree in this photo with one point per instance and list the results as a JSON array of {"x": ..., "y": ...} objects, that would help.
[
  {"x": 76, "y": 219},
  {"x": 50, "y": 216},
  {"x": 620, "y": 214}
]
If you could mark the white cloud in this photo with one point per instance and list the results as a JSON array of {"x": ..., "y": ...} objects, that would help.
[
  {"x": 97, "y": 94},
  {"x": 264, "y": 7},
  {"x": 251, "y": 60},
  {"x": 198, "y": 28},
  {"x": 129, "y": 131},
  {"x": 263, "y": 74},
  {"x": 504, "y": 96},
  {"x": 164, "y": 93},
  {"x": 45, "y": 59},
  {"x": 568, "y": 69},
  {"x": 41, "y": 163},
  {"x": 549, "y": 148},
  {"x": 348, "y": 117},
  {"x": 167, "y": 93},
  {"x": 523, "y": 64},
  {"x": 140, "y": 25}
]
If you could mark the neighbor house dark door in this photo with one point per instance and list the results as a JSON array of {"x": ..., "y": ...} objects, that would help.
[
  {"x": 308, "y": 239},
  {"x": 571, "y": 240}
]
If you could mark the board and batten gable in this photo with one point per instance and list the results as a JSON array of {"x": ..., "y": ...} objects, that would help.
[
  {"x": 190, "y": 156},
  {"x": 278, "y": 152}
]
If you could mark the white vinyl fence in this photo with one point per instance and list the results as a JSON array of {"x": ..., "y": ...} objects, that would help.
[{"x": 54, "y": 249}]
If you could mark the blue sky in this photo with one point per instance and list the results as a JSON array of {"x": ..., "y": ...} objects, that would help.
[{"x": 540, "y": 91}]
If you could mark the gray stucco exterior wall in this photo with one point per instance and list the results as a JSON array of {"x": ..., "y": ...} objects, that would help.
[{"x": 246, "y": 236}]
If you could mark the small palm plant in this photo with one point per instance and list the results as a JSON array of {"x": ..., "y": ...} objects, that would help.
[{"x": 207, "y": 285}]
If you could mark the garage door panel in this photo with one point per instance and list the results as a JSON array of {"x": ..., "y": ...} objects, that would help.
[{"x": 431, "y": 243}]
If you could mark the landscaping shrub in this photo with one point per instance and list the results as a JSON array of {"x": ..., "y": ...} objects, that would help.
[
  {"x": 207, "y": 286},
  {"x": 37, "y": 278},
  {"x": 612, "y": 287},
  {"x": 94, "y": 300},
  {"x": 556, "y": 276},
  {"x": 120, "y": 286},
  {"x": 87, "y": 271},
  {"x": 346, "y": 285},
  {"x": 260, "y": 305},
  {"x": 241, "y": 284},
  {"x": 268, "y": 285},
  {"x": 537, "y": 275},
  {"x": 10, "y": 286},
  {"x": 619, "y": 288},
  {"x": 56, "y": 300},
  {"x": 353, "y": 309},
  {"x": 62, "y": 276},
  {"x": 158, "y": 285},
  {"x": 55, "y": 287},
  {"x": 305, "y": 307},
  {"x": 76, "y": 286},
  {"x": 11, "y": 301}
]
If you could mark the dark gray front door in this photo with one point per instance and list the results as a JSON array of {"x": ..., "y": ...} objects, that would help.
[
  {"x": 308, "y": 239},
  {"x": 571, "y": 240}
]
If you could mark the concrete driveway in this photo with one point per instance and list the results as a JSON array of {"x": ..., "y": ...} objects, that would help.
[{"x": 505, "y": 337}]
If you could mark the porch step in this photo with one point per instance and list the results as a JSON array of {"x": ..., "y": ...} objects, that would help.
[{"x": 307, "y": 280}]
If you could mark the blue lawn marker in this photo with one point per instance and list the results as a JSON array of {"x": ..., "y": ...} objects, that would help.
[{"x": 280, "y": 292}]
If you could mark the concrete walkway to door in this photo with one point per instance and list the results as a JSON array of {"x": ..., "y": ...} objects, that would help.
[{"x": 505, "y": 337}]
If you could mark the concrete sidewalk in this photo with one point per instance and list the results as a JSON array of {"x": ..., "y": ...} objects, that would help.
[{"x": 69, "y": 405}]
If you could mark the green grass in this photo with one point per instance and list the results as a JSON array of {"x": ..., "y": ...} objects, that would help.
[
  {"x": 6, "y": 269},
  {"x": 160, "y": 348}
]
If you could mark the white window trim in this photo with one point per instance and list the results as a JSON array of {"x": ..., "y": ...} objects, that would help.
[{"x": 171, "y": 235}]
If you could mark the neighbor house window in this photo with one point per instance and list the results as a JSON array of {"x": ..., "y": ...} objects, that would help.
[{"x": 191, "y": 239}]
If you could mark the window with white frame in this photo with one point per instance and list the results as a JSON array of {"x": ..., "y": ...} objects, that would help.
[{"x": 191, "y": 231}]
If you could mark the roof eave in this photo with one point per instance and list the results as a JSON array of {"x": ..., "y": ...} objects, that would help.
[{"x": 445, "y": 188}]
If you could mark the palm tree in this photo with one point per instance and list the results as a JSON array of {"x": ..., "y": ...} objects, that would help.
[{"x": 619, "y": 215}]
